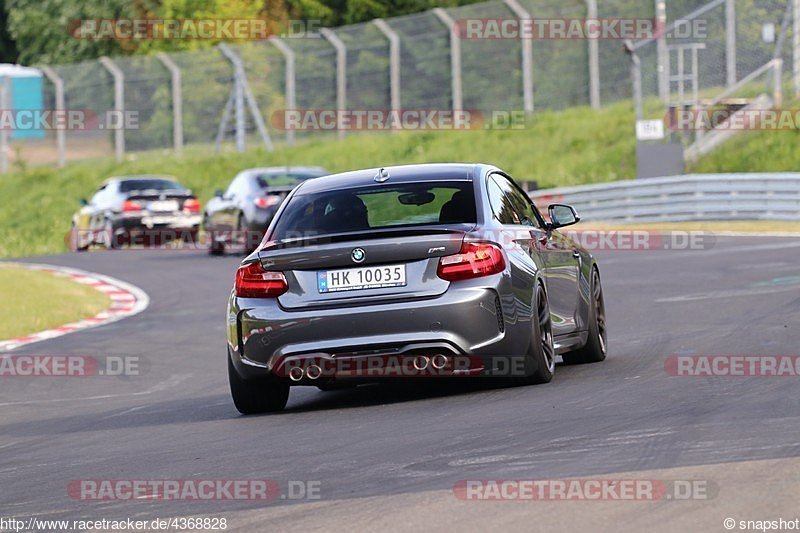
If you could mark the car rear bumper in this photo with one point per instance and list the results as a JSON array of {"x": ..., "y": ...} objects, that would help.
[
  {"x": 152, "y": 221},
  {"x": 470, "y": 321}
]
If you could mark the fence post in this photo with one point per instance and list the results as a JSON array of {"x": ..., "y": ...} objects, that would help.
[
  {"x": 796, "y": 47},
  {"x": 455, "y": 57},
  {"x": 661, "y": 50},
  {"x": 58, "y": 83},
  {"x": 237, "y": 96},
  {"x": 777, "y": 80},
  {"x": 636, "y": 79},
  {"x": 527, "y": 57},
  {"x": 594, "y": 59},
  {"x": 341, "y": 77},
  {"x": 242, "y": 94},
  {"x": 177, "y": 101},
  {"x": 290, "y": 89},
  {"x": 730, "y": 38},
  {"x": 5, "y": 87},
  {"x": 119, "y": 104},
  {"x": 394, "y": 62}
]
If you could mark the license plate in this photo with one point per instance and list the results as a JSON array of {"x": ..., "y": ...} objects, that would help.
[
  {"x": 163, "y": 205},
  {"x": 157, "y": 221},
  {"x": 354, "y": 279}
]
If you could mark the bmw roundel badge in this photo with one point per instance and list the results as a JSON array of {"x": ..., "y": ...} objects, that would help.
[{"x": 358, "y": 255}]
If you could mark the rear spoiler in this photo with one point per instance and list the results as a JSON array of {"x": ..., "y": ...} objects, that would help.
[
  {"x": 279, "y": 188},
  {"x": 384, "y": 233}
]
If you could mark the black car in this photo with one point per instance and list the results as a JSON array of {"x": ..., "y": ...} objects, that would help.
[
  {"x": 132, "y": 209},
  {"x": 240, "y": 215}
]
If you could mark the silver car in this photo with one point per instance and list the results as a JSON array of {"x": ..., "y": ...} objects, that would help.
[{"x": 421, "y": 271}]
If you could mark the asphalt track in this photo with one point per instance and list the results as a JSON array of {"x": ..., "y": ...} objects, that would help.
[{"x": 388, "y": 457}]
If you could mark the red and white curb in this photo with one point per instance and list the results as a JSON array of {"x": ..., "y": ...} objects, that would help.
[{"x": 126, "y": 300}]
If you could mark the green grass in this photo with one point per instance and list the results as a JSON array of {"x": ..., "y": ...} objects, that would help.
[
  {"x": 569, "y": 147},
  {"x": 756, "y": 151},
  {"x": 31, "y": 308},
  {"x": 762, "y": 151}
]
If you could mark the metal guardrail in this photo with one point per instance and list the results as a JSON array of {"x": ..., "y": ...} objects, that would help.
[{"x": 690, "y": 197}]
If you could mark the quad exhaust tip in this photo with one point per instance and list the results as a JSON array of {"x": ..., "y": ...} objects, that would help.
[
  {"x": 421, "y": 362},
  {"x": 439, "y": 361},
  {"x": 296, "y": 373},
  {"x": 313, "y": 372}
]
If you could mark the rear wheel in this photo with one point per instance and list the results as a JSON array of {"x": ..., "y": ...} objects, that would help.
[
  {"x": 246, "y": 237},
  {"x": 111, "y": 240},
  {"x": 540, "y": 361},
  {"x": 215, "y": 247},
  {"x": 75, "y": 242},
  {"x": 596, "y": 346},
  {"x": 251, "y": 397}
]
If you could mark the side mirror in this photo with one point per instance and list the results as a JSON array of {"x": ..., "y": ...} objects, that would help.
[
  {"x": 562, "y": 215},
  {"x": 83, "y": 202},
  {"x": 218, "y": 193}
]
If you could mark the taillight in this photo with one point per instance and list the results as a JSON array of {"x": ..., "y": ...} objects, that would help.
[
  {"x": 266, "y": 201},
  {"x": 252, "y": 281},
  {"x": 130, "y": 205},
  {"x": 192, "y": 205},
  {"x": 476, "y": 259}
]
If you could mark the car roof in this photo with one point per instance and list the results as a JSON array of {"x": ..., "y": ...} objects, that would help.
[
  {"x": 140, "y": 177},
  {"x": 397, "y": 174},
  {"x": 285, "y": 170}
]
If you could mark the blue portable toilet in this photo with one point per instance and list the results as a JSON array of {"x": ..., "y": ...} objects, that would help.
[{"x": 26, "y": 94}]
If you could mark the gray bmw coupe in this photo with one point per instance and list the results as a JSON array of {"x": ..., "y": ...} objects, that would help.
[{"x": 421, "y": 271}]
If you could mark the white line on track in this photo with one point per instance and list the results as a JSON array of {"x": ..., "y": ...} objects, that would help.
[
  {"x": 733, "y": 293},
  {"x": 158, "y": 387}
]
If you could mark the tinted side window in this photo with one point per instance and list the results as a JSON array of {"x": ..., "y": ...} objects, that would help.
[
  {"x": 520, "y": 203},
  {"x": 501, "y": 204}
]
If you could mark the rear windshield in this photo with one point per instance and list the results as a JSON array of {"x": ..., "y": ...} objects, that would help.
[
  {"x": 377, "y": 207},
  {"x": 276, "y": 180},
  {"x": 150, "y": 185}
]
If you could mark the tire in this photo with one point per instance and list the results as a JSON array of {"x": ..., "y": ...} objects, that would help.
[
  {"x": 252, "y": 397},
  {"x": 111, "y": 242},
  {"x": 243, "y": 235},
  {"x": 74, "y": 241},
  {"x": 215, "y": 247},
  {"x": 540, "y": 361},
  {"x": 190, "y": 236},
  {"x": 596, "y": 345}
]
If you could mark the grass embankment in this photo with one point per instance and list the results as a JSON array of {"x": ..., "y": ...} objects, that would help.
[
  {"x": 569, "y": 147},
  {"x": 36, "y": 301},
  {"x": 757, "y": 151}
]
